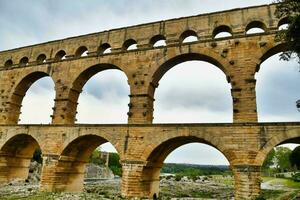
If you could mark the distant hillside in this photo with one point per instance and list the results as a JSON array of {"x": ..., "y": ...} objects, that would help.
[{"x": 193, "y": 169}]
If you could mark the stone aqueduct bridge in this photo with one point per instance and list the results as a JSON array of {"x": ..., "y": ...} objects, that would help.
[{"x": 142, "y": 146}]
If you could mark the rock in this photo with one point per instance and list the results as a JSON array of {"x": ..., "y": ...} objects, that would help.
[{"x": 98, "y": 172}]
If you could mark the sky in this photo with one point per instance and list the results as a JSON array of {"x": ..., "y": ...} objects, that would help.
[{"x": 105, "y": 96}]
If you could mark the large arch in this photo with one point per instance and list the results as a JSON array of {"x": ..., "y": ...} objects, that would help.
[
  {"x": 15, "y": 157},
  {"x": 71, "y": 164},
  {"x": 276, "y": 78},
  {"x": 19, "y": 92},
  {"x": 167, "y": 65},
  {"x": 85, "y": 76},
  {"x": 197, "y": 65},
  {"x": 156, "y": 156}
]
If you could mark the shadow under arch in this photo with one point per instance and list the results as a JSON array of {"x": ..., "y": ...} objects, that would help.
[
  {"x": 156, "y": 157},
  {"x": 15, "y": 157},
  {"x": 82, "y": 79},
  {"x": 166, "y": 66},
  {"x": 71, "y": 164},
  {"x": 19, "y": 92}
]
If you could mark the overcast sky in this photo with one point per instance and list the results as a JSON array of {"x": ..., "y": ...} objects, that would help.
[{"x": 105, "y": 96}]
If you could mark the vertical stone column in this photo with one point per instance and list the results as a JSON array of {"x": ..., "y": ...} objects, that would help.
[
  {"x": 138, "y": 180},
  {"x": 247, "y": 180},
  {"x": 244, "y": 97},
  {"x": 64, "y": 110},
  {"x": 140, "y": 109},
  {"x": 48, "y": 176},
  {"x": 62, "y": 174}
]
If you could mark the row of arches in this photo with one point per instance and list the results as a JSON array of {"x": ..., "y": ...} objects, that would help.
[
  {"x": 109, "y": 90},
  {"x": 156, "y": 41},
  {"x": 19, "y": 149}
]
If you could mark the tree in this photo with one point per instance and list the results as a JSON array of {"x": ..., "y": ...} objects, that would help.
[
  {"x": 282, "y": 159},
  {"x": 295, "y": 157},
  {"x": 291, "y": 36},
  {"x": 269, "y": 161}
]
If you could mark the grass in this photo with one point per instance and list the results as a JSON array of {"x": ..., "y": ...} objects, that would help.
[{"x": 285, "y": 182}]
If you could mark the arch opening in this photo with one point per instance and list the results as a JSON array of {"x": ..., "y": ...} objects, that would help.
[
  {"x": 184, "y": 94},
  {"x": 255, "y": 27},
  {"x": 8, "y": 63},
  {"x": 81, "y": 52},
  {"x": 104, "y": 49},
  {"x": 187, "y": 160},
  {"x": 79, "y": 160},
  {"x": 222, "y": 31},
  {"x": 277, "y": 88},
  {"x": 37, "y": 101},
  {"x": 41, "y": 59},
  {"x": 283, "y": 24},
  {"x": 24, "y": 62},
  {"x": 21, "y": 160},
  {"x": 105, "y": 86},
  {"x": 60, "y": 55},
  {"x": 158, "y": 41},
  {"x": 280, "y": 167},
  {"x": 188, "y": 36},
  {"x": 130, "y": 44}
]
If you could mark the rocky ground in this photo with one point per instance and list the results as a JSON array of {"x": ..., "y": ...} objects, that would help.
[{"x": 110, "y": 189}]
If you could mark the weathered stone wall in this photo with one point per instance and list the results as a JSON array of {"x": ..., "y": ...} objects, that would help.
[{"x": 142, "y": 146}]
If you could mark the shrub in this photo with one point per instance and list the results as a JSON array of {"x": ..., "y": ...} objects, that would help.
[{"x": 296, "y": 177}]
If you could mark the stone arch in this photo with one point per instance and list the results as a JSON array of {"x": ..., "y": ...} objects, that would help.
[
  {"x": 82, "y": 78},
  {"x": 15, "y": 157},
  {"x": 128, "y": 43},
  {"x": 8, "y": 63},
  {"x": 256, "y": 24},
  {"x": 24, "y": 61},
  {"x": 270, "y": 52},
  {"x": 19, "y": 92},
  {"x": 79, "y": 52},
  {"x": 103, "y": 48},
  {"x": 156, "y": 155},
  {"x": 221, "y": 29},
  {"x": 167, "y": 65},
  {"x": 282, "y": 21},
  {"x": 186, "y": 34},
  {"x": 71, "y": 164},
  {"x": 60, "y": 55},
  {"x": 292, "y": 136},
  {"x": 41, "y": 59},
  {"x": 156, "y": 39}
]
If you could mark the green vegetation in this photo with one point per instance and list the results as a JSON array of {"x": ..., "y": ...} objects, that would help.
[
  {"x": 113, "y": 162},
  {"x": 37, "y": 156},
  {"x": 291, "y": 10},
  {"x": 295, "y": 158}
]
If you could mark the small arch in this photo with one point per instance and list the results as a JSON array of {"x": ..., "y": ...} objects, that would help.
[
  {"x": 130, "y": 44},
  {"x": 158, "y": 41},
  {"x": 222, "y": 32},
  {"x": 104, "y": 48},
  {"x": 24, "y": 62},
  {"x": 81, "y": 52},
  {"x": 60, "y": 55},
  {"x": 8, "y": 63},
  {"x": 188, "y": 36},
  {"x": 41, "y": 59},
  {"x": 255, "y": 27},
  {"x": 283, "y": 23}
]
